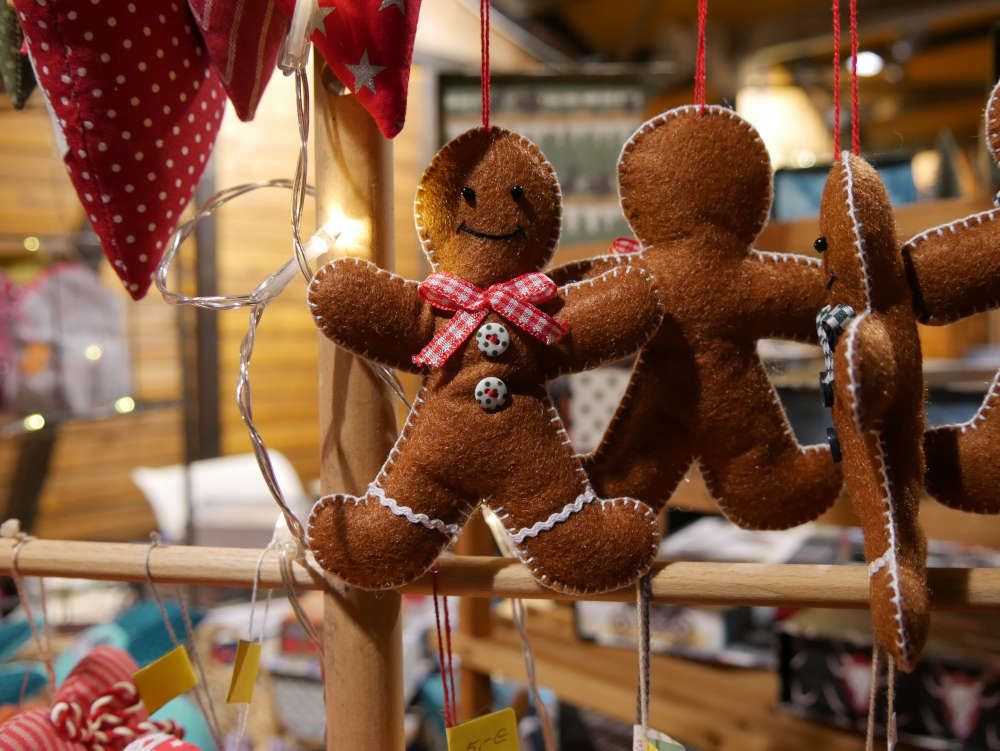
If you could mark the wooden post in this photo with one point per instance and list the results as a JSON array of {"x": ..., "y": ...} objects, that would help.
[
  {"x": 362, "y": 631},
  {"x": 475, "y": 693}
]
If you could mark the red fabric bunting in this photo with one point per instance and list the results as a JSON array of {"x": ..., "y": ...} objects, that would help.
[
  {"x": 136, "y": 109},
  {"x": 369, "y": 45},
  {"x": 243, "y": 38}
]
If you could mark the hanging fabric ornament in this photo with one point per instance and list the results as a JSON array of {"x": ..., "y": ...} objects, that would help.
[
  {"x": 136, "y": 110},
  {"x": 954, "y": 270},
  {"x": 488, "y": 214},
  {"x": 243, "y": 38},
  {"x": 369, "y": 45},
  {"x": 15, "y": 67},
  {"x": 877, "y": 389},
  {"x": 96, "y": 709}
]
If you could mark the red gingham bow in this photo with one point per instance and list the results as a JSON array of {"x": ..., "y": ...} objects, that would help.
[{"x": 512, "y": 300}]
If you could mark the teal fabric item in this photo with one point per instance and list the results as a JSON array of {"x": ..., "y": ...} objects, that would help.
[
  {"x": 148, "y": 638},
  {"x": 184, "y": 711},
  {"x": 14, "y": 634},
  {"x": 12, "y": 678},
  {"x": 103, "y": 634},
  {"x": 15, "y": 68}
]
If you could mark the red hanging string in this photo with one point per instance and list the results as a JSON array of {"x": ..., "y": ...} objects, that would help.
[
  {"x": 484, "y": 47},
  {"x": 699, "y": 74},
  {"x": 855, "y": 132},
  {"x": 447, "y": 674},
  {"x": 836, "y": 80}
]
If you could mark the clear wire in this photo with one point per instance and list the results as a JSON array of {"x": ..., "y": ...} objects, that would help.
[{"x": 548, "y": 733}]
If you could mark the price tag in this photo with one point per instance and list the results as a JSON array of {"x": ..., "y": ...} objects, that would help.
[
  {"x": 244, "y": 672},
  {"x": 165, "y": 679},
  {"x": 655, "y": 741},
  {"x": 492, "y": 732}
]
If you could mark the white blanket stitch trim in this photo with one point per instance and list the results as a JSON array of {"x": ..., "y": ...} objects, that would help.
[
  {"x": 407, "y": 513},
  {"x": 587, "y": 496},
  {"x": 889, "y": 558}
]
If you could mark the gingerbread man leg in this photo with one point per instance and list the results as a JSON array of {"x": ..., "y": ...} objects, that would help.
[
  {"x": 395, "y": 531},
  {"x": 963, "y": 470},
  {"x": 571, "y": 539},
  {"x": 772, "y": 484}
]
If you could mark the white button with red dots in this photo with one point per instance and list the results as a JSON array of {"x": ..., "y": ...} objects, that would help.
[
  {"x": 491, "y": 393},
  {"x": 492, "y": 339}
]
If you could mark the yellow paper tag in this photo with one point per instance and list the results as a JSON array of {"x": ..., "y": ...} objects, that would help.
[
  {"x": 244, "y": 672},
  {"x": 492, "y": 732},
  {"x": 165, "y": 679}
]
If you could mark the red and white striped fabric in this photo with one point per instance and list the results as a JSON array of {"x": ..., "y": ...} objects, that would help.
[
  {"x": 625, "y": 245},
  {"x": 512, "y": 300},
  {"x": 96, "y": 709},
  {"x": 160, "y": 742},
  {"x": 243, "y": 38},
  {"x": 136, "y": 108}
]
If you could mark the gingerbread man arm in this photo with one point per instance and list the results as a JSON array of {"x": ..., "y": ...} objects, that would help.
[
  {"x": 587, "y": 268},
  {"x": 371, "y": 312},
  {"x": 954, "y": 269},
  {"x": 865, "y": 372},
  {"x": 610, "y": 316},
  {"x": 786, "y": 292}
]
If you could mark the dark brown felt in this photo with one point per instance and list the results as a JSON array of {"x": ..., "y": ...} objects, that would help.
[
  {"x": 954, "y": 271},
  {"x": 696, "y": 190},
  {"x": 451, "y": 453},
  {"x": 878, "y": 407}
]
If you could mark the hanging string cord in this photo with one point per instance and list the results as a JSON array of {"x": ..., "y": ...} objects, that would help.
[
  {"x": 699, "y": 74},
  {"x": 11, "y": 529},
  {"x": 890, "y": 712},
  {"x": 836, "y": 80},
  {"x": 201, "y": 693},
  {"x": 244, "y": 718},
  {"x": 288, "y": 554},
  {"x": 855, "y": 131},
  {"x": 447, "y": 676},
  {"x": 873, "y": 692},
  {"x": 484, "y": 51},
  {"x": 643, "y": 593},
  {"x": 548, "y": 733}
]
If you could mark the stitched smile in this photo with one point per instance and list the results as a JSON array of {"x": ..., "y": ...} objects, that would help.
[{"x": 488, "y": 236}]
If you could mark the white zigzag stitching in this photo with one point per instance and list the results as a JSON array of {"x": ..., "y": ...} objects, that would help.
[
  {"x": 408, "y": 513},
  {"x": 587, "y": 496},
  {"x": 856, "y": 225}
]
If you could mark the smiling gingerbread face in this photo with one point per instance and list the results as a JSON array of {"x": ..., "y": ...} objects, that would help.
[{"x": 489, "y": 207}]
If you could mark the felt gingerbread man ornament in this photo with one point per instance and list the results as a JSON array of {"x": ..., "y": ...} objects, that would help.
[
  {"x": 483, "y": 328},
  {"x": 878, "y": 397},
  {"x": 695, "y": 186},
  {"x": 954, "y": 272}
]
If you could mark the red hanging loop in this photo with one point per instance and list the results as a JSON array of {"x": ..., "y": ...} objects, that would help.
[
  {"x": 836, "y": 80},
  {"x": 484, "y": 48},
  {"x": 444, "y": 655},
  {"x": 699, "y": 75},
  {"x": 855, "y": 130}
]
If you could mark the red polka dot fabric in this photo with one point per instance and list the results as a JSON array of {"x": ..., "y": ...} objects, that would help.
[
  {"x": 369, "y": 45},
  {"x": 136, "y": 107},
  {"x": 243, "y": 38}
]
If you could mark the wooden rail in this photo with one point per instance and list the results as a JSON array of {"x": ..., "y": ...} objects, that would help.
[{"x": 793, "y": 585}]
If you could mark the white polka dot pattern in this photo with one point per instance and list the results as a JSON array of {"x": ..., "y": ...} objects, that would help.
[{"x": 117, "y": 91}]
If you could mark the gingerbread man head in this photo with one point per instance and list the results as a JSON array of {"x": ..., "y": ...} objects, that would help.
[
  {"x": 717, "y": 179},
  {"x": 489, "y": 207}
]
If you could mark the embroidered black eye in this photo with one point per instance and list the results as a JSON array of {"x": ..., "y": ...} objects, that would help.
[
  {"x": 469, "y": 195},
  {"x": 820, "y": 244},
  {"x": 517, "y": 193}
]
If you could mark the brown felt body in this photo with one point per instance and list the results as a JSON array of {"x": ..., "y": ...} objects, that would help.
[
  {"x": 954, "y": 272},
  {"x": 451, "y": 452},
  {"x": 696, "y": 190},
  {"x": 878, "y": 407}
]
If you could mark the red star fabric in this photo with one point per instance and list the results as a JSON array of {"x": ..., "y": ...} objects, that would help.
[
  {"x": 369, "y": 45},
  {"x": 136, "y": 109},
  {"x": 243, "y": 38}
]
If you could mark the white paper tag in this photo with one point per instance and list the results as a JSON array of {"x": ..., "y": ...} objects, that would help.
[{"x": 654, "y": 741}]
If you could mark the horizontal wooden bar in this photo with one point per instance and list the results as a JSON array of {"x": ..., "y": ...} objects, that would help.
[{"x": 688, "y": 582}]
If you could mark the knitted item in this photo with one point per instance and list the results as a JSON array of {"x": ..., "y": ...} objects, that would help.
[
  {"x": 488, "y": 211},
  {"x": 15, "y": 67}
]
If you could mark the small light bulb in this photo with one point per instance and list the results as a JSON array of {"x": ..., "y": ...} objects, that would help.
[
  {"x": 93, "y": 352},
  {"x": 869, "y": 64},
  {"x": 32, "y": 243},
  {"x": 124, "y": 405},
  {"x": 34, "y": 422}
]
